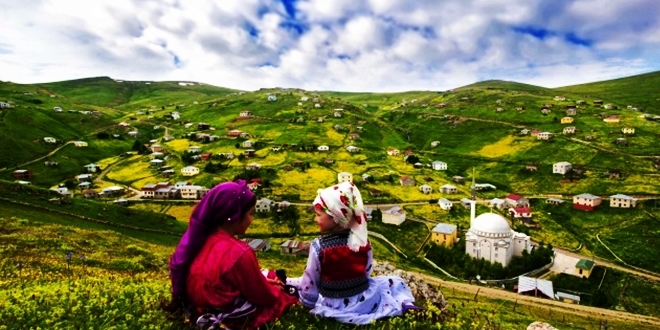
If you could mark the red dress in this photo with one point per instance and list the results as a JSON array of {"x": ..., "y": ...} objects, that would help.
[{"x": 226, "y": 269}]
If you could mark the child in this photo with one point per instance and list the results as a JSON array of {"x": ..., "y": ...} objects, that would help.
[
  {"x": 337, "y": 281},
  {"x": 216, "y": 277}
]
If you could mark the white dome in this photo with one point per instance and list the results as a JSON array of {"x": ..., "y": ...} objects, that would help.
[{"x": 491, "y": 223}]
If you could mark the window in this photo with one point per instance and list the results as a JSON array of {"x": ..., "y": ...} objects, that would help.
[
  {"x": 495, "y": 255},
  {"x": 496, "y": 248},
  {"x": 474, "y": 244}
]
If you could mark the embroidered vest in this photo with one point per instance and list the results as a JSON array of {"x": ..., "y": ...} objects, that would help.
[{"x": 343, "y": 271}]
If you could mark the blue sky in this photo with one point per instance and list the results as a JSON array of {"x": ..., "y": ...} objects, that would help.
[{"x": 347, "y": 45}]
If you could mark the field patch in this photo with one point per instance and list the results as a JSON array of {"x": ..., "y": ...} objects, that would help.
[{"x": 505, "y": 146}]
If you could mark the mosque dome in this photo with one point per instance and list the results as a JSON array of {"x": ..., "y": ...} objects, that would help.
[{"x": 490, "y": 223}]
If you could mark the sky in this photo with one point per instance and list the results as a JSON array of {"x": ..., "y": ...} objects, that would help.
[{"x": 342, "y": 45}]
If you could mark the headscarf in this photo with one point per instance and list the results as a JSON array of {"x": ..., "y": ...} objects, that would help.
[
  {"x": 343, "y": 202},
  {"x": 226, "y": 202}
]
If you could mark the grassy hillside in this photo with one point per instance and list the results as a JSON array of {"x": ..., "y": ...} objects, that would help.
[{"x": 640, "y": 91}]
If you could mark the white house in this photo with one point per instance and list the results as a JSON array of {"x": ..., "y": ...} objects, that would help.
[
  {"x": 445, "y": 204},
  {"x": 623, "y": 201},
  {"x": 344, "y": 177},
  {"x": 561, "y": 167},
  {"x": 439, "y": 166},
  {"x": 425, "y": 189},
  {"x": 190, "y": 191},
  {"x": 448, "y": 189},
  {"x": 57, "y": 109},
  {"x": 497, "y": 203},
  {"x": 352, "y": 149},
  {"x": 304, "y": 99},
  {"x": 264, "y": 205},
  {"x": 134, "y": 134},
  {"x": 544, "y": 136},
  {"x": 189, "y": 171},
  {"x": 628, "y": 130},
  {"x": 248, "y": 144},
  {"x": 80, "y": 143},
  {"x": 245, "y": 114},
  {"x": 253, "y": 166},
  {"x": 392, "y": 152},
  {"x": 394, "y": 216},
  {"x": 317, "y": 105},
  {"x": 323, "y": 148},
  {"x": 337, "y": 114},
  {"x": 50, "y": 140},
  {"x": 435, "y": 144},
  {"x": 569, "y": 130}
]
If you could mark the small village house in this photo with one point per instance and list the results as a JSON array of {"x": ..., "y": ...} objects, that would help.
[
  {"x": 245, "y": 114},
  {"x": 248, "y": 144},
  {"x": 554, "y": 201},
  {"x": 532, "y": 167},
  {"x": 567, "y": 120},
  {"x": 439, "y": 166},
  {"x": 253, "y": 186},
  {"x": 295, "y": 247},
  {"x": 598, "y": 102},
  {"x": 92, "y": 168},
  {"x": 584, "y": 268},
  {"x": 544, "y": 136},
  {"x": 257, "y": 244},
  {"x": 435, "y": 144},
  {"x": 80, "y": 144},
  {"x": 394, "y": 215},
  {"x": 535, "y": 287},
  {"x": 323, "y": 148},
  {"x": 448, "y": 189},
  {"x": 156, "y": 162},
  {"x": 354, "y": 136},
  {"x": 203, "y": 126},
  {"x": 561, "y": 168},
  {"x": 90, "y": 194},
  {"x": 622, "y": 201},
  {"x": 407, "y": 181},
  {"x": 328, "y": 161},
  {"x": 628, "y": 130},
  {"x": 112, "y": 191},
  {"x": 156, "y": 148},
  {"x": 272, "y": 98},
  {"x": 194, "y": 149},
  {"x": 569, "y": 130},
  {"x": 156, "y": 155},
  {"x": 84, "y": 177},
  {"x": 497, "y": 203},
  {"x": 586, "y": 202},
  {"x": 445, "y": 204},
  {"x": 253, "y": 167},
  {"x": 297, "y": 163},
  {"x": 514, "y": 200},
  {"x": 612, "y": 119},
  {"x": 50, "y": 140},
  {"x": 192, "y": 192},
  {"x": 444, "y": 234},
  {"x": 567, "y": 298},
  {"x": 23, "y": 174},
  {"x": 337, "y": 114},
  {"x": 418, "y": 165},
  {"x": 190, "y": 171},
  {"x": 234, "y": 133},
  {"x": 249, "y": 152},
  {"x": 344, "y": 177},
  {"x": 352, "y": 149},
  {"x": 458, "y": 179},
  {"x": 521, "y": 212},
  {"x": 264, "y": 205},
  {"x": 614, "y": 174},
  {"x": 609, "y": 106},
  {"x": 425, "y": 189},
  {"x": 392, "y": 151},
  {"x": 134, "y": 134},
  {"x": 571, "y": 112}
]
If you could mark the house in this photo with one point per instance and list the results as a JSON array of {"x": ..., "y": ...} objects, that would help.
[
  {"x": 628, "y": 130},
  {"x": 50, "y": 140},
  {"x": 23, "y": 174},
  {"x": 392, "y": 151},
  {"x": 84, "y": 177},
  {"x": 272, "y": 98},
  {"x": 544, "y": 136},
  {"x": 532, "y": 167},
  {"x": 134, "y": 134},
  {"x": 156, "y": 162},
  {"x": 294, "y": 247},
  {"x": 247, "y": 144},
  {"x": 190, "y": 171},
  {"x": 365, "y": 177},
  {"x": 497, "y": 203},
  {"x": 435, "y": 144},
  {"x": 90, "y": 194},
  {"x": 264, "y": 205},
  {"x": 609, "y": 106},
  {"x": 124, "y": 124},
  {"x": 483, "y": 186},
  {"x": 51, "y": 163},
  {"x": 352, "y": 149},
  {"x": 598, "y": 102},
  {"x": 614, "y": 174},
  {"x": 344, "y": 177},
  {"x": 569, "y": 130},
  {"x": 458, "y": 179},
  {"x": 323, "y": 148},
  {"x": 112, "y": 191},
  {"x": 205, "y": 157},
  {"x": 535, "y": 132},
  {"x": 203, "y": 126},
  {"x": 304, "y": 99},
  {"x": 181, "y": 184},
  {"x": 328, "y": 161},
  {"x": 234, "y": 133},
  {"x": 571, "y": 112},
  {"x": 425, "y": 189},
  {"x": 156, "y": 155},
  {"x": 444, "y": 234},
  {"x": 567, "y": 298},
  {"x": 394, "y": 216},
  {"x": 448, "y": 189},
  {"x": 92, "y": 168},
  {"x": 57, "y": 109},
  {"x": 322, "y": 119},
  {"x": 445, "y": 204},
  {"x": 194, "y": 149},
  {"x": 466, "y": 202},
  {"x": 354, "y": 136},
  {"x": 439, "y": 166},
  {"x": 253, "y": 186},
  {"x": 622, "y": 201},
  {"x": 560, "y": 98},
  {"x": 407, "y": 181},
  {"x": 418, "y": 165},
  {"x": 245, "y": 114},
  {"x": 257, "y": 244},
  {"x": 521, "y": 212},
  {"x": 554, "y": 201},
  {"x": 584, "y": 268},
  {"x": 535, "y": 287},
  {"x": 80, "y": 144},
  {"x": 297, "y": 163},
  {"x": 567, "y": 120},
  {"x": 514, "y": 200},
  {"x": 545, "y": 111},
  {"x": 249, "y": 153},
  {"x": 615, "y": 119},
  {"x": 561, "y": 168},
  {"x": 253, "y": 167},
  {"x": 192, "y": 192},
  {"x": 337, "y": 114},
  {"x": 586, "y": 202},
  {"x": 621, "y": 142},
  {"x": 156, "y": 148}
]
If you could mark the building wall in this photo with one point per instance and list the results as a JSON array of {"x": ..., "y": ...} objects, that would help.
[
  {"x": 582, "y": 272},
  {"x": 444, "y": 239},
  {"x": 624, "y": 203}
]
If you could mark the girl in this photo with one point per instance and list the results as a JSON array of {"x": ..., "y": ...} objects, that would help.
[
  {"x": 337, "y": 281},
  {"x": 216, "y": 277}
]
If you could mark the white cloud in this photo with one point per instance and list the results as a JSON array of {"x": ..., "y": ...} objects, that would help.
[{"x": 383, "y": 45}]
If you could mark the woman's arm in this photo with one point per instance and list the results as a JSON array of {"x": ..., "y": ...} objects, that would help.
[{"x": 253, "y": 285}]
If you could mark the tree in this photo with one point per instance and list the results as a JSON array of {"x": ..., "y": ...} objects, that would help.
[
  {"x": 102, "y": 135},
  {"x": 139, "y": 147},
  {"x": 291, "y": 216},
  {"x": 241, "y": 157},
  {"x": 237, "y": 145},
  {"x": 377, "y": 215}
]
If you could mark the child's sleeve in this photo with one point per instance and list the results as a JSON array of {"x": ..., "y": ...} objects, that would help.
[{"x": 308, "y": 288}]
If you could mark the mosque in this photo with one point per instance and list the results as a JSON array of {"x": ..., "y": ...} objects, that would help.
[{"x": 491, "y": 238}]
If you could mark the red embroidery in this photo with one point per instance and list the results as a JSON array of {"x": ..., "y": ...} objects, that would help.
[
  {"x": 358, "y": 219},
  {"x": 344, "y": 200},
  {"x": 336, "y": 187},
  {"x": 318, "y": 206},
  {"x": 344, "y": 211}
]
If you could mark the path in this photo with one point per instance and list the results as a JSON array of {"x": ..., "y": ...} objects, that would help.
[
  {"x": 553, "y": 305},
  {"x": 46, "y": 156},
  {"x": 591, "y": 145},
  {"x": 377, "y": 235},
  {"x": 602, "y": 262}
]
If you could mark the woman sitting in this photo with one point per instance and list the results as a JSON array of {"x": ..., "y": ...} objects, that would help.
[{"x": 215, "y": 276}]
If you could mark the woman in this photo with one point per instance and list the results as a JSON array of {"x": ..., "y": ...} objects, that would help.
[
  {"x": 217, "y": 276},
  {"x": 337, "y": 281}
]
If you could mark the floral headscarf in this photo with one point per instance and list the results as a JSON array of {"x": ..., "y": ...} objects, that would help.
[{"x": 343, "y": 202}]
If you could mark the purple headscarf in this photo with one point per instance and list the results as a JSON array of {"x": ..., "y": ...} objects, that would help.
[{"x": 226, "y": 202}]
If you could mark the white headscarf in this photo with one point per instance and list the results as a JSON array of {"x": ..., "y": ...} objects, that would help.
[{"x": 342, "y": 202}]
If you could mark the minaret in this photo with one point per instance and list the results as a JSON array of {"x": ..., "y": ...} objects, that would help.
[{"x": 473, "y": 206}]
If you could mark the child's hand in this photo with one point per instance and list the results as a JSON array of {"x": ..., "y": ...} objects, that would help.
[{"x": 276, "y": 282}]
